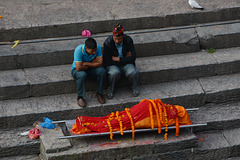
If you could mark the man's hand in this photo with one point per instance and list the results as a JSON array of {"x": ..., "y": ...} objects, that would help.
[
  {"x": 116, "y": 59},
  {"x": 95, "y": 60},
  {"x": 128, "y": 54}
]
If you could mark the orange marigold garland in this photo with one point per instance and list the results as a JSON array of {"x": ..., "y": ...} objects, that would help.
[
  {"x": 177, "y": 127},
  {"x": 158, "y": 118},
  {"x": 151, "y": 115},
  {"x": 166, "y": 122},
  {"x": 110, "y": 129},
  {"x": 132, "y": 124},
  {"x": 120, "y": 122}
]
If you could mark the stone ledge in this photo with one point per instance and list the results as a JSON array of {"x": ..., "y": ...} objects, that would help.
[
  {"x": 60, "y": 22},
  {"x": 13, "y": 144},
  {"x": 53, "y": 80},
  {"x": 123, "y": 147}
]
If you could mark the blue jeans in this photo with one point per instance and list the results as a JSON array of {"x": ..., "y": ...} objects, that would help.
[
  {"x": 93, "y": 73},
  {"x": 128, "y": 70}
]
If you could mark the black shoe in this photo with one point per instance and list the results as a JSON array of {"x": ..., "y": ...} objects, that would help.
[
  {"x": 109, "y": 95},
  {"x": 135, "y": 93}
]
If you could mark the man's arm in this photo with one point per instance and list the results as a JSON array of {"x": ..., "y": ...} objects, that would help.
[
  {"x": 97, "y": 62},
  {"x": 107, "y": 56},
  {"x": 131, "y": 54}
]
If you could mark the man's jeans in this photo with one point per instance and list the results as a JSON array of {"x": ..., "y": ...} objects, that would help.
[
  {"x": 128, "y": 70},
  {"x": 93, "y": 73}
]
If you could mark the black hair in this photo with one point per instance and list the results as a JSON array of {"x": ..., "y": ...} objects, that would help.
[{"x": 91, "y": 43}]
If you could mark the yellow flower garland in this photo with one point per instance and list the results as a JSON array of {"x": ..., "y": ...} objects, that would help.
[
  {"x": 161, "y": 112},
  {"x": 157, "y": 113},
  {"x": 132, "y": 124},
  {"x": 110, "y": 129},
  {"x": 120, "y": 122}
]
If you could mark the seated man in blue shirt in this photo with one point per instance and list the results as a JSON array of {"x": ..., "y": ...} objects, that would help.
[
  {"x": 88, "y": 62},
  {"x": 119, "y": 58}
]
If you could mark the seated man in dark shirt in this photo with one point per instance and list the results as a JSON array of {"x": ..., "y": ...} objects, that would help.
[{"x": 119, "y": 58}]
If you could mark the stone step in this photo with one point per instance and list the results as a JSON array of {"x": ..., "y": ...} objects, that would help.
[
  {"x": 122, "y": 147},
  {"x": 12, "y": 143},
  {"x": 189, "y": 93},
  {"x": 224, "y": 116},
  {"x": 52, "y": 80},
  {"x": 25, "y": 157},
  {"x": 34, "y": 20},
  {"x": 212, "y": 144},
  {"x": 222, "y": 144},
  {"x": 218, "y": 144},
  {"x": 146, "y": 44}
]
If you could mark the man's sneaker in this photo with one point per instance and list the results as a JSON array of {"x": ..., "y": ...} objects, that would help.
[{"x": 135, "y": 93}]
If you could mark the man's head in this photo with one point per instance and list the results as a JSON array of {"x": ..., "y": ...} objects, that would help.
[
  {"x": 90, "y": 46},
  {"x": 118, "y": 34}
]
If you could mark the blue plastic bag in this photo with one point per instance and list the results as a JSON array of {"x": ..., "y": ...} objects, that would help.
[{"x": 47, "y": 123}]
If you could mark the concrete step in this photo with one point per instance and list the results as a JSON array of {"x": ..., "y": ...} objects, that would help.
[
  {"x": 222, "y": 144},
  {"x": 189, "y": 93},
  {"x": 12, "y": 143},
  {"x": 122, "y": 147},
  {"x": 34, "y": 20},
  {"x": 26, "y": 157},
  {"x": 224, "y": 116},
  {"x": 218, "y": 144},
  {"x": 54, "y": 80},
  {"x": 147, "y": 44}
]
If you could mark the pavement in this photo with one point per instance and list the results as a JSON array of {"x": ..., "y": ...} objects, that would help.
[
  {"x": 73, "y": 16},
  {"x": 31, "y": 13}
]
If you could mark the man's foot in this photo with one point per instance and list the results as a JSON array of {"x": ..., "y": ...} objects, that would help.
[
  {"x": 81, "y": 102},
  {"x": 101, "y": 98},
  {"x": 135, "y": 93},
  {"x": 109, "y": 95}
]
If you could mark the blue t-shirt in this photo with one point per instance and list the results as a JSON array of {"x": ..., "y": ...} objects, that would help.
[{"x": 80, "y": 55}]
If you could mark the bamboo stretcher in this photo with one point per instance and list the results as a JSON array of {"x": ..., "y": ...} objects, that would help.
[{"x": 69, "y": 124}]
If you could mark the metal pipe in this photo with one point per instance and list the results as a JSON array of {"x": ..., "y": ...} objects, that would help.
[
  {"x": 136, "y": 32},
  {"x": 128, "y": 131}
]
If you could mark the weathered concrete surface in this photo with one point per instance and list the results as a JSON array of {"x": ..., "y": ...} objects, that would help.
[
  {"x": 176, "y": 67},
  {"x": 13, "y": 84},
  {"x": 217, "y": 116},
  {"x": 50, "y": 81},
  {"x": 61, "y": 52},
  {"x": 222, "y": 36},
  {"x": 215, "y": 88},
  {"x": 25, "y": 111},
  {"x": 185, "y": 154},
  {"x": 166, "y": 42},
  {"x": 53, "y": 80},
  {"x": 123, "y": 147},
  {"x": 228, "y": 60},
  {"x": 233, "y": 138},
  {"x": 8, "y": 58},
  {"x": 50, "y": 143},
  {"x": 214, "y": 145},
  {"x": 26, "y": 157},
  {"x": 36, "y": 19},
  {"x": 13, "y": 144}
]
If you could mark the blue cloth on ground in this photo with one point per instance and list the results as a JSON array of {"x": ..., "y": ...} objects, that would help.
[{"x": 47, "y": 123}]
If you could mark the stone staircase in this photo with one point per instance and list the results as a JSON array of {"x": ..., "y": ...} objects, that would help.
[{"x": 174, "y": 65}]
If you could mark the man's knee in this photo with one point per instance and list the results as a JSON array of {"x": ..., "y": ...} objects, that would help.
[
  {"x": 101, "y": 72},
  {"x": 114, "y": 73},
  {"x": 81, "y": 75}
]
